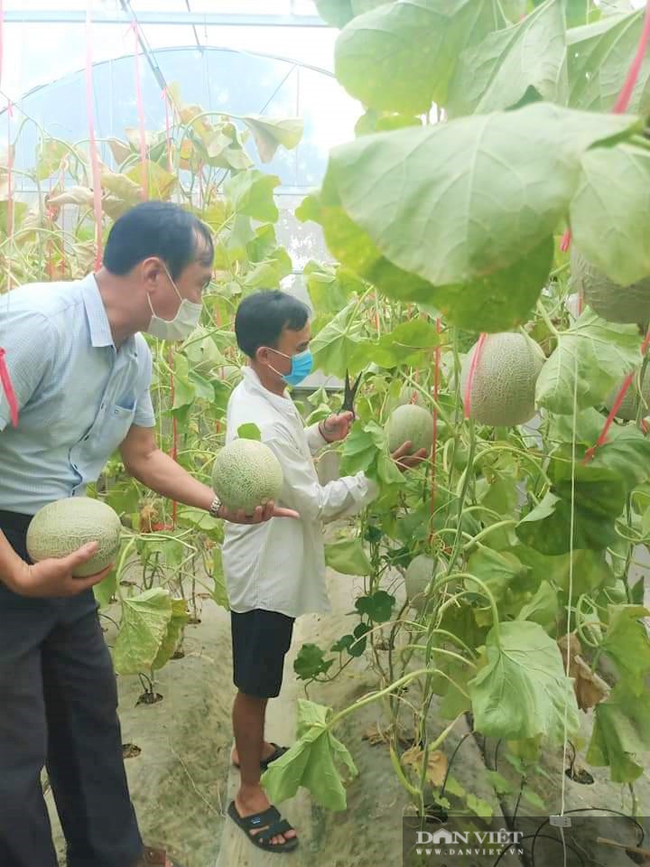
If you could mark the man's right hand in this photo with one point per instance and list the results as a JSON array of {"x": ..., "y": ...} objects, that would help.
[{"x": 54, "y": 577}]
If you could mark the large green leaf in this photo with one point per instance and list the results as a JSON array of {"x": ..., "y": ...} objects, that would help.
[
  {"x": 339, "y": 12},
  {"x": 348, "y": 557},
  {"x": 542, "y": 607},
  {"x": 335, "y": 345},
  {"x": 458, "y": 201},
  {"x": 526, "y": 59},
  {"x": 621, "y": 730},
  {"x": 144, "y": 627},
  {"x": 311, "y": 762},
  {"x": 498, "y": 570},
  {"x": 600, "y": 353},
  {"x": 590, "y": 569},
  {"x": 252, "y": 194},
  {"x": 405, "y": 344},
  {"x": 599, "y": 57},
  {"x": 330, "y": 287},
  {"x": 269, "y": 133},
  {"x": 609, "y": 220},
  {"x": 523, "y": 692},
  {"x": 400, "y": 57},
  {"x": 628, "y": 644},
  {"x": 547, "y": 527}
]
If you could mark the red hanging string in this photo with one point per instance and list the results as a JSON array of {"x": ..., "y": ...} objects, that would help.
[
  {"x": 627, "y": 382},
  {"x": 472, "y": 370},
  {"x": 8, "y": 388},
  {"x": 94, "y": 159},
  {"x": 140, "y": 105},
  {"x": 623, "y": 101}
]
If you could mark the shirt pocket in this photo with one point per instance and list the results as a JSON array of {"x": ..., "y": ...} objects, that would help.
[{"x": 113, "y": 429}]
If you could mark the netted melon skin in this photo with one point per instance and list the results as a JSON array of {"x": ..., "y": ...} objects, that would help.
[
  {"x": 628, "y": 408},
  {"x": 417, "y": 578},
  {"x": 410, "y": 422},
  {"x": 625, "y": 304},
  {"x": 246, "y": 474},
  {"x": 503, "y": 388},
  {"x": 60, "y": 528}
]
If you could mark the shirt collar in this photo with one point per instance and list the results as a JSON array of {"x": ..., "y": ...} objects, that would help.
[
  {"x": 283, "y": 403},
  {"x": 100, "y": 327}
]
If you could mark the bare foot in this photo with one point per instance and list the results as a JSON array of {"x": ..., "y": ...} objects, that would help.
[
  {"x": 253, "y": 800},
  {"x": 267, "y": 750}
]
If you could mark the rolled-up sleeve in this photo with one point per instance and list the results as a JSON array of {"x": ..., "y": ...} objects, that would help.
[
  {"x": 315, "y": 439},
  {"x": 28, "y": 359},
  {"x": 144, "y": 412},
  {"x": 315, "y": 502}
]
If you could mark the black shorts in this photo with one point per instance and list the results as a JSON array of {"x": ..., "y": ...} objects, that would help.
[{"x": 260, "y": 640}]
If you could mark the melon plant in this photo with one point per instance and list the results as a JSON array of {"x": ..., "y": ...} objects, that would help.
[
  {"x": 503, "y": 387},
  {"x": 61, "y": 527},
  {"x": 410, "y": 423},
  {"x": 417, "y": 578},
  {"x": 246, "y": 474},
  {"x": 608, "y": 299},
  {"x": 630, "y": 404},
  {"x": 408, "y": 395}
]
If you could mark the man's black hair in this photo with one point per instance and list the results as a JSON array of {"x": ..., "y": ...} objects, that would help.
[
  {"x": 261, "y": 318},
  {"x": 160, "y": 229}
]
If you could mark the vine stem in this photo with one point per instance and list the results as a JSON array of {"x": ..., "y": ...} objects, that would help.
[
  {"x": 376, "y": 695},
  {"x": 547, "y": 320}
]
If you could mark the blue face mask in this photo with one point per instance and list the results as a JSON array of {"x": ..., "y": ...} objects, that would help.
[{"x": 301, "y": 366}]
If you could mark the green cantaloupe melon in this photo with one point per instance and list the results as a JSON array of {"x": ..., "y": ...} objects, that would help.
[
  {"x": 503, "y": 388},
  {"x": 410, "y": 422},
  {"x": 246, "y": 474},
  {"x": 630, "y": 404},
  {"x": 60, "y": 528},
  {"x": 609, "y": 300},
  {"x": 417, "y": 578}
]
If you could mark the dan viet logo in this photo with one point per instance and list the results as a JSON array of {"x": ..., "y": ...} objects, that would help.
[{"x": 468, "y": 842}]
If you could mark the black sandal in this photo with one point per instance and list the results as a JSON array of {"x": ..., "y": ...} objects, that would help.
[
  {"x": 277, "y": 825},
  {"x": 277, "y": 752}
]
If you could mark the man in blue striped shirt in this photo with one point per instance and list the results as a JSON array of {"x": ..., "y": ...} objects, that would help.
[{"x": 81, "y": 372}]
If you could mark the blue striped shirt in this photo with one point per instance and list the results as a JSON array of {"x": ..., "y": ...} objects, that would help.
[{"x": 78, "y": 395}]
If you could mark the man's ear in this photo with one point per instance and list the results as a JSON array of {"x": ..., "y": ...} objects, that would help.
[{"x": 151, "y": 270}]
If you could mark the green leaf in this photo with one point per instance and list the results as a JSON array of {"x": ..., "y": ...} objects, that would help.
[
  {"x": 599, "y": 353},
  {"x": 334, "y": 347},
  {"x": 311, "y": 762},
  {"x": 178, "y": 620},
  {"x": 499, "y": 783},
  {"x": 184, "y": 390},
  {"x": 143, "y": 628},
  {"x": 522, "y": 692},
  {"x": 249, "y": 431},
  {"x": 310, "y": 662},
  {"x": 199, "y": 519},
  {"x": 479, "y": 807},
  {"x": 252, "y": 194},
  {"x": 348, "y": 557},
  {"x": 489, "y": 303},
  {"x": 599, "y": 56},
  {"x": 627, "y": 642},
  {"x": 270, "y": 133},
  {"x": 543, "y": 608},
  {"x": 50, "y": 155},
  {"x": 621, "y": 730},
  {"x": 609, "y": 221},
  {"x": 106, "y": 589},
  {"x": 378, "y": 606},
  {"x": 330, "y": 287},
  {"x": 498, "y": 570},
  {"x": 400, "y": 57},
  {"x": 405, "y": 344},
  {"x": 498, "y": 72},
  {"x": 395, "y": 187},
  {"x": 627, "y": 454}
]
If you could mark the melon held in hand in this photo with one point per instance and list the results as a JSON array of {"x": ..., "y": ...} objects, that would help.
[
  {"x": 410, "y": 423},
  {"x": 246, "y": 474},
  {"x": 60, "y": 528}
]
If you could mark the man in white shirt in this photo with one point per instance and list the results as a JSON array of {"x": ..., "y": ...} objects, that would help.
[{"x": 276, "y": 571}]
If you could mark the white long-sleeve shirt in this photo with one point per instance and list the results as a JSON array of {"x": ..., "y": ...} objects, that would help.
[{"x": 279, "y": 565}]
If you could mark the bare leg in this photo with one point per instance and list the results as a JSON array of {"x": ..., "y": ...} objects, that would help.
[{"x": 248, "y": 724}]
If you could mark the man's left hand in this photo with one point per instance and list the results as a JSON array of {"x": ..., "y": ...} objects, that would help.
[
  {"x": 336, "y": 427},
  {"x": 261, "y": 514}
]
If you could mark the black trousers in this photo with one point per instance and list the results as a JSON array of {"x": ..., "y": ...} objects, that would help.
[{"x": 58, "y": 708}]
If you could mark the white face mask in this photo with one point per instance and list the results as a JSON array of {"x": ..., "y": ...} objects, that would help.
[{"x": 182, "y": 325}]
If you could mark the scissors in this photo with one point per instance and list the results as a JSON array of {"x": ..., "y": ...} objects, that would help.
[{"x": 350, "y": 393}]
